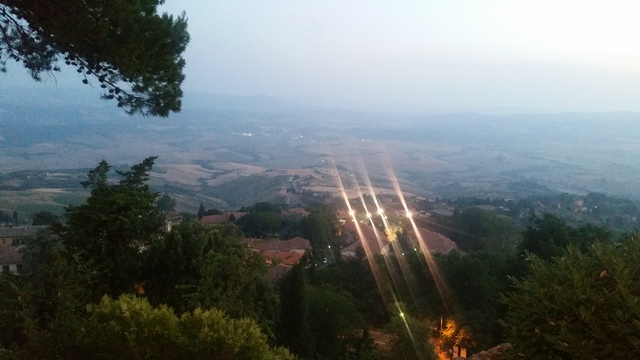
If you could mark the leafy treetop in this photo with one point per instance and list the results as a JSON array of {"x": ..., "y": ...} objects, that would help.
[
  {"x": 117, "y": 223},
  {"x": 134, "y": 52},
  {"x": 581, "y": 305}
]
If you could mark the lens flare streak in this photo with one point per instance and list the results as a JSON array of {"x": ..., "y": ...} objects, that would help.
[{"x": 387, "y": 290}]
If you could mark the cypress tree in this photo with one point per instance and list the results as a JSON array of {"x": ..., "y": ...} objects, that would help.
[{"x": 295, "y": 332}]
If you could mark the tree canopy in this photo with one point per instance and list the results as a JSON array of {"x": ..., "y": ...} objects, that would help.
[
  {"x": 549, "y": 236},
  {"x": 133, "y": 52},
  {"x": 264, "y": 219},
  {"x": 334, "y": 321},
  {"x": 130, "y": 328},
  {"x": 43, "y": 218},
  {"x": 295, "y": 330},
  {"x": 115, "y": 225},
  {"x": 579, "y": 305},
  {"x": 199, "y": 265},
  {"x": 166, "y": 203}
]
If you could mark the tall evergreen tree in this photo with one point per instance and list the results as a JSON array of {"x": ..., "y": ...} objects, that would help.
[
  {"x": 201, "y": 211},
  {"x": 114, "y": 228},
  {"x": 295, "y": 331},
  {"x": 335, "y": 322}
]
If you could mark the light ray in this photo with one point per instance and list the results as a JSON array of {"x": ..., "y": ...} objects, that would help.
[
  {"x": 441, "y": 285},
  {"x": 404, "y": 267},
  {"x": 377, "y": 275},
  {"x": 385, "y": 291}
]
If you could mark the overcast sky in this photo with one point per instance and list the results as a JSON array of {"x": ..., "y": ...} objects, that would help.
[{"x": 459, "y": 54}]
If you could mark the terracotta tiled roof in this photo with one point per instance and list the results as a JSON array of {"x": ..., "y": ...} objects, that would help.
[
  {"x": 223, "y": 218},
  {"x": 297, "y": 211},
  {"x": 376, "y": 241},
  {"x": 215, "y": 219},
  {"x": 238, "y": 214},
  {"x": 288, "y": 258},
  {"x": 20, "y": 231},
  {"x": 297, "y": 243},
  {"x": 435, "y": 242},
  {"x": 287, "y": 253}
]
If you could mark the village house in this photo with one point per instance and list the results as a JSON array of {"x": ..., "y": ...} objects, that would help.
[
  {"x": 343, "y": 215},
  {"x": 296, "y": 212},
  {"x": 432, "y": 241},
  {"x": 373, "y": 241},
  {"x": 170, "y": 220},
  {"x": 280, "y": 255},
  {"x": 11, "y": 242},
  {"x": 223, "y": 218}
]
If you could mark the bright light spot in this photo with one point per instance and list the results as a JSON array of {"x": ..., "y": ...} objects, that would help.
[
  {"x": 380, "y": 211},
  {"x": 402, "y": 314},
  {"x": 368, "y": 215},
  {"x": 352, "y": 213},
  {"x": 329, "y": 246},
  {"x": 409, "y": 214}
]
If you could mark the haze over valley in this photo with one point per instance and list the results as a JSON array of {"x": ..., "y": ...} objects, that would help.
[
  {"x": 365, "y": 180},
  {"x": 220, "y": 147}
]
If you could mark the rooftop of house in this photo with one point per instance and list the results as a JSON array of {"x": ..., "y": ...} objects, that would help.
[
  {"x": 375, "y": 241},
  {"x": 442, "y": 212},
  {"x": 296, "y": 243},
  {"x": 215, "y": 219},
  {"x": 237, "y": 214},
  {"x": 222, "y": 218},
  {"x": 172, "y": 215},
  {"x": 433, "y": 241},
  {"x": 287, "y": 258},
  {"x": 296, "y": 211},
  {"x": 20, "y": 231}
]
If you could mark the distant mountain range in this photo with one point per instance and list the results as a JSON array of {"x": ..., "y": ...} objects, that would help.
[{"x": 217, "y": 141}]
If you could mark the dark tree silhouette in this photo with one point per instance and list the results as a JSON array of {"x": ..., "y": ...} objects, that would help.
[{"x": 134, "y": 53}]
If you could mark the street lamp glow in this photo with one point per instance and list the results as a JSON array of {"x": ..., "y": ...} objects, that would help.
[
  {"x": 409, "y": 214},
  {"x": 368, "y": 215},
  {"x": 352, "y": 213},
  {"x": 380, "y": 211}
]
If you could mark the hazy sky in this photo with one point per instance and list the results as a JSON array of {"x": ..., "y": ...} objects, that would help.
[{"x": 556, "y": 55}]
